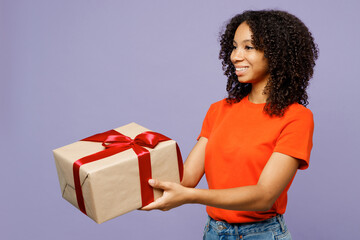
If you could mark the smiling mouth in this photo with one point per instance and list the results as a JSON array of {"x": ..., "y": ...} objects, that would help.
[{"x": 241, "y": 69}]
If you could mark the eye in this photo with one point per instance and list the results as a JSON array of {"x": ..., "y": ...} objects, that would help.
[
  {"x": 233, "y": 47},
  {"x": 247, "y": 47}
]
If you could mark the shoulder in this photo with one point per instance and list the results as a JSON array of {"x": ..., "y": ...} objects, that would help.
[
  {"x": 297, "y": 112},
  {"x": 216, "y": 106},
  {"x": 219, "y": 103}
]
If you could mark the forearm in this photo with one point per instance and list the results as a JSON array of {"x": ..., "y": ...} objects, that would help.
[
  {"x": 191, "y": 176},
  {"x": 194, "y": 164},
  {"x": 274, "y": 178},
  {"x": 248, "y": 198}
]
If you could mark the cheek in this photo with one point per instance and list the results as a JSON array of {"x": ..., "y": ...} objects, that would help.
[
  {"x": 266, "y": 66},
  {"x": 263, "y": 64},
  {"x": 232, "y": 57}
]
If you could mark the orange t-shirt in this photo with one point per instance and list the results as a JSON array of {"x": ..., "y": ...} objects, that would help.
[{"x": 241, "y": 139}]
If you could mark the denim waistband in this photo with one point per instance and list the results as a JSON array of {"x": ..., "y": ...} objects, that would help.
[{"x": 246, "y": 228}]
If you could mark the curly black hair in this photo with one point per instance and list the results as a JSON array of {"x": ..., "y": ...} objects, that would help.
[{"x": 291, "y": 53}]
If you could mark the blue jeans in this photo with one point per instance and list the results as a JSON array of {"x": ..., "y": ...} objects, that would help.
[{"x": 273, "y": 228}]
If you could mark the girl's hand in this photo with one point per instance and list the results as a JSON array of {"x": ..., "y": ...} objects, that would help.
[{"x": 173, "y": 196}]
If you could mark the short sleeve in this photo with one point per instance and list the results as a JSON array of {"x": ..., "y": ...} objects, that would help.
[
  {"x": 296, "y": 137},
  {"x": 207, "y": 123}
]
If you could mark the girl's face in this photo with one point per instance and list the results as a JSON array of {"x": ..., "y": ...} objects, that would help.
[{"x": 250, "y": 64}]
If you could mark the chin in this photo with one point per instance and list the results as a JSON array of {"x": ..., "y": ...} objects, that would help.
[{"x": 244, "y": 81}]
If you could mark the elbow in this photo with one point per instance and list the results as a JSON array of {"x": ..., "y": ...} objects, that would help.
[
  {"x": 265, "y": 205},
  {"x": 266, "y": 198},
  {"x": 266, "y": 202},
  {"x": 189, "y": 184}
]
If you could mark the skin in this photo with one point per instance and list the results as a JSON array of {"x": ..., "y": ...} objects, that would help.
[
  {"x": 277, "y": 173},
  {"x": 245, "y": 55}
]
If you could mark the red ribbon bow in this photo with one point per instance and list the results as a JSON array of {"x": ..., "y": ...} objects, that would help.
[{"x": 115, "y": 142}]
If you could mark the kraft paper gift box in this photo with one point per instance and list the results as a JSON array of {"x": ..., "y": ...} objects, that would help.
[{"x": 112, "y": 185}]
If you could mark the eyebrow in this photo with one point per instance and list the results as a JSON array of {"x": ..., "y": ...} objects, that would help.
[{"x": 244, "y": 41}]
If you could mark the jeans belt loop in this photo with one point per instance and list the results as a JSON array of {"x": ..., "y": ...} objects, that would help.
[
  {"x": 281, "y": 223},
  {"x": 236, "y": 229}
]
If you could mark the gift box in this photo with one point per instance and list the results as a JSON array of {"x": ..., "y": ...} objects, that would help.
[{"x": 106, "y": 175}]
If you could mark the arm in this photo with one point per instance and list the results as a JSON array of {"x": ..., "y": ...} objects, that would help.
[
  {"x": 276, "y": 175},
  {"x": 194, "y": 164}
]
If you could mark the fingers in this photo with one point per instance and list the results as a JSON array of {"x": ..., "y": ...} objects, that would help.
[
  {"x": 158, "y": 203},
  {"x": 157, "y": 184},
  {"x": 149, "y": 207},
  {"x": 155, "y": 205},
  {"x": 169, "y": 199}
]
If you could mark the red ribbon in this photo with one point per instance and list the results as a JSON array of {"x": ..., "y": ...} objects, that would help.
[{"x": 115, "y": 142}]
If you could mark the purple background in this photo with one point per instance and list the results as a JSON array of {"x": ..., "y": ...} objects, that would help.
[{"x": 73, "y": 68}]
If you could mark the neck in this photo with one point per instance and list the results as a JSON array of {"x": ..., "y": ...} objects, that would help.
[{"x": 257, "y": 94}]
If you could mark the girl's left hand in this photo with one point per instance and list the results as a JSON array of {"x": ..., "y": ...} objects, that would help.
[{"x": 173, "y": 196}]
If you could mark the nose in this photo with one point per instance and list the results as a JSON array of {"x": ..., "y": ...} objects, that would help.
[{"x": 237, "y": 55}]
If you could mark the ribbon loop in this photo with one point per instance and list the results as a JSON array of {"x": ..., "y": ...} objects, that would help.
[
  {"x": 148, "y": 139},
  {"x": 117, "y": 141}
]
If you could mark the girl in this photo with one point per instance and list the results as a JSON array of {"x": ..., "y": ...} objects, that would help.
[{"x": 252, "y": 143}]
